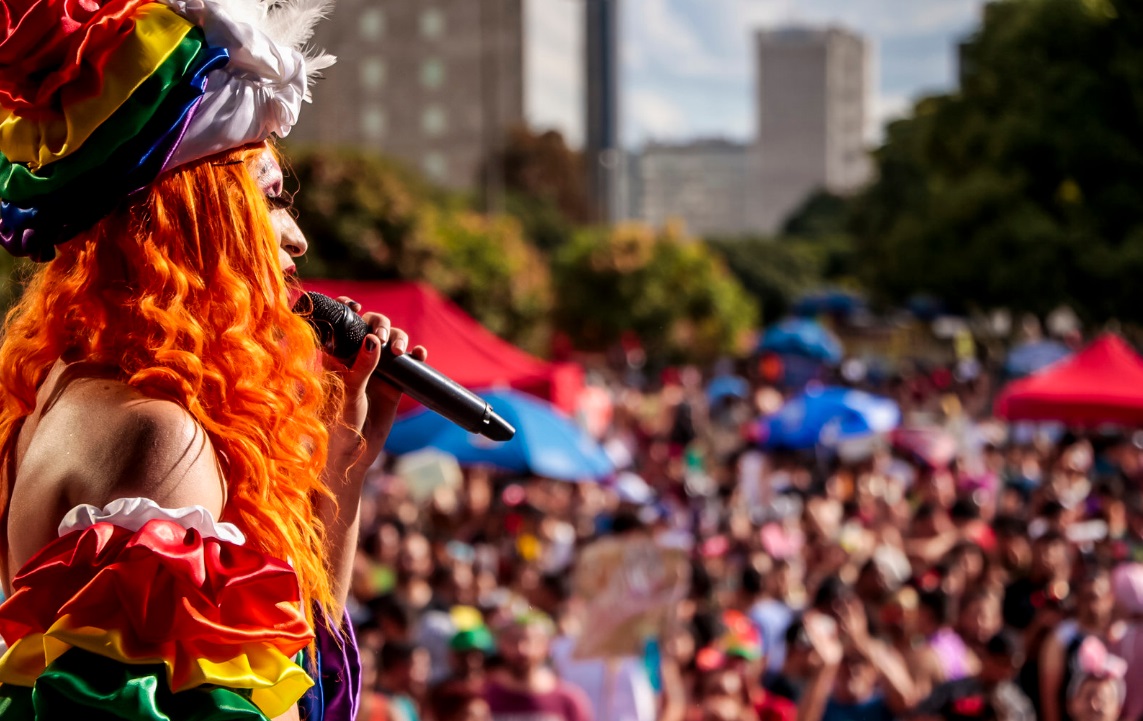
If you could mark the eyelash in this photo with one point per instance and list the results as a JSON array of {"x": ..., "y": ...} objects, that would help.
[{"x": 284, "y": 201}]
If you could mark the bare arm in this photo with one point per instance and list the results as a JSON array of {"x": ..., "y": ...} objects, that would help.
[
  {"x": 822, "y": 632},
  {"x": 895, "y": 677},
  {"x": 162, "y": 454},
  {"x": 367, "y": 417},
  {"x": 1051, "y": 676}
]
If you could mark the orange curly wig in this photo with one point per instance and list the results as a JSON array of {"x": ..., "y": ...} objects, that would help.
[{"x": 184, "y": 294}]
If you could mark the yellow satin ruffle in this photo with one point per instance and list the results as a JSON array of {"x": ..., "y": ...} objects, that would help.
[
  {"x": 157, "y": 33},
  {"x": 277, "y": 682}
]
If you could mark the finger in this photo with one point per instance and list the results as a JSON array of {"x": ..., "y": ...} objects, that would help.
[
  {"x": 379, "y": 325},
  {"x": 420, "y": 353},
  {"x": 353, "y": 305},
  {"x": 357, "y": 377},
  {"x": 399, "y": 341}
]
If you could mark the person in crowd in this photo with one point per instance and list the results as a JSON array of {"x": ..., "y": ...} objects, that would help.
[
  {"x": 1060, "y": 655},
  {"x": 1096, "y": 690},
  {"x": 990, "y": 694},
  {"x": 469, "y": 652},
  {"x": 402, "y": 675},
  {"x": 943, "y": 655},
  {"x": 524, "y": 685}
]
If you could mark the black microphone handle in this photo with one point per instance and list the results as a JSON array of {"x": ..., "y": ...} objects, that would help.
[{"x": 439, "y": 393}]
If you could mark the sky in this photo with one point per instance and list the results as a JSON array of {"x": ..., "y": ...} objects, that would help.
[{"x": 687, "y": 64}]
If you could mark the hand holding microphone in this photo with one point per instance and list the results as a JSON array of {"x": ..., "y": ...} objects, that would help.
[{"x": 341, "y": 332}]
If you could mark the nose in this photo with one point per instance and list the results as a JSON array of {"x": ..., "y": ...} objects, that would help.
[{"x": 291, "y": 238}]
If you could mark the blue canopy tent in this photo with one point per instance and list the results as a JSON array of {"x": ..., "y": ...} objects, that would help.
[
  {"x": 831, "y": 301},
  {"x": 803, "y": 338},
  {"x": 826, "y": 417},
  {"x": 1027, "y": 358},
  {"x": 547, "y": 443}
]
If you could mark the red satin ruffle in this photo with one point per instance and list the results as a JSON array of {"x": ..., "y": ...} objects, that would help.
[
  {"x": 42, "y": 43},
  {"x": 168, "y": 592}
]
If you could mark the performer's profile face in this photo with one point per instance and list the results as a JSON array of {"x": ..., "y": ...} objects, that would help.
[{"x": 291, "y": 242}]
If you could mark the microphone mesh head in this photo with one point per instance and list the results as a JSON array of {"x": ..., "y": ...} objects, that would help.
[{"x": 339, "y": 329}]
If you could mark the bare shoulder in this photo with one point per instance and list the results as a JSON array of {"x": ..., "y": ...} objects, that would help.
[{"x": 103, "y": 440}]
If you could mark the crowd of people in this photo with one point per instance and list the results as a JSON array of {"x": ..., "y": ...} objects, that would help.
[{"x": 1004, "y": 583}]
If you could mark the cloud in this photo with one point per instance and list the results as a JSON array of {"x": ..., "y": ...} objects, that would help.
[
  {"x": 670, "y": 45},
  {"x": 688, "y": 65},
  {"x": 886, "y": 109},
  {"x": 664, "y": 37},
  {"x": 654, "y": 116}
]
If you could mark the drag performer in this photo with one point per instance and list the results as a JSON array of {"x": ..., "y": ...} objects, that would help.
[{"x": 180, "y": 468}]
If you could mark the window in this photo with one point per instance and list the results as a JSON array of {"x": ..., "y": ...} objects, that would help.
[
  {"x": 432, "y": 73},
  {"x": 371, "y": 24},
  {"x": 372, "y": 122},
  {"x": 371, "y": 71},
  {"x": 435, "y": 166},
  {"x": 433, "y": 121},
  {"x": 432, "y": 23}
]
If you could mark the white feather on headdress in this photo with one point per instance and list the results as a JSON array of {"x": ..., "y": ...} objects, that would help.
[
  {"x": 291, "y": 23},
  {"x": 267, "y": 78}
]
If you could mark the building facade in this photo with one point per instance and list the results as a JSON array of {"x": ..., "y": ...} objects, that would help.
[
  {"x": 703, "y": 184},
  {"x": 434, "y": 83},
  {"x": 812, "y": 88},
  {"x": 602, "y": 153}
]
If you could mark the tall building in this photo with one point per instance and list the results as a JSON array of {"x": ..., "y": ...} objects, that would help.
[
  {"x": 603, "y": 157},
  {"x": 701, "y": 183},
  {"x": 812, "y": 87},
  {"x": 435, "y": 83}
]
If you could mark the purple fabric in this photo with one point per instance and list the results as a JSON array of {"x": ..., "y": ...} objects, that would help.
[
  {"x": 952, "y": 653},
  {"x": 337, "y": 693}
]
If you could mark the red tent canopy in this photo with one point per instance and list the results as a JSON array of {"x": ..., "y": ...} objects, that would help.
[
  {"x": 1102, "y": 383},
  {"x": 458, "y": 345}
]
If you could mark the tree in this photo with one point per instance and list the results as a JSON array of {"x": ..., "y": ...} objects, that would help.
[
  {"x": 361, "y": 214},
  {"x": 1025, "y": 188},
  {"x": 487, "y": 267},
  {"x": 369, "y": 219},
  {"x": 820, "y": 215},
  {"x": 670, "y": 290},
  {"x": 775, "y": 271},
  {"x": 545, "y": 186}
]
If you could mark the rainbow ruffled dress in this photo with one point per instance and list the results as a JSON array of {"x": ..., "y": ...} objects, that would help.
[{"x": 141, "y": 613}]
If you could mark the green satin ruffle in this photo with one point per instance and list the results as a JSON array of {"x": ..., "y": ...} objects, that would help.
[{"x": 86, "y": 687}]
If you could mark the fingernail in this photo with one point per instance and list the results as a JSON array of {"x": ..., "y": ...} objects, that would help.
[
  {"x": 383, "y": 334},
  {"x": 399, "y": 345},
  {"x": 370, "y": 344}
]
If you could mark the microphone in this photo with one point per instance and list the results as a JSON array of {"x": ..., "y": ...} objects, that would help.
[{"x": 341, "y": 332}]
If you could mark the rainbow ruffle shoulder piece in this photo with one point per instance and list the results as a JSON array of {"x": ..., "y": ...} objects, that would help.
[
  {"x": 97, "y": 98},
  {"x": 145, "y": 614}
]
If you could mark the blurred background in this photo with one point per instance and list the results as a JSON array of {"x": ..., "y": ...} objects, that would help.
[{"x": 791, "y": 301}]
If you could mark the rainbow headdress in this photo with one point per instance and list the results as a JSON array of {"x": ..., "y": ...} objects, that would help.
[
  {"x": 142, "y": 613},
  {"x": 98, "y": 97}
]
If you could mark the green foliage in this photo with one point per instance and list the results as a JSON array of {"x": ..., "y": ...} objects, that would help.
[
  {"x": 671, "y": 291},
  {"x": 776, "y": 271},
  {"x": 368, "y": 219},
  {"x": 1024, "y": 189},
  {"x": 541, "y": 167},
  {"x": 486, "y": 265},
  {"x": 821, "y": 214},
  {"x": 545, "y": 186},
  {"x": 361, "y": 215}
]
